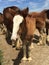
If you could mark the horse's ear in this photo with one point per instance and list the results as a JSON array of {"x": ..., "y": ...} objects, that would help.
[{"x": 25, "y": 11}]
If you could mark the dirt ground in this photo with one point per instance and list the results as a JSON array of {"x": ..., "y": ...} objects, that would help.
[{"x": 39, "y": 54}]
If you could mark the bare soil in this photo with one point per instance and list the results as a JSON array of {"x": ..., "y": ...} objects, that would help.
[{"x": 39, "y": 54}]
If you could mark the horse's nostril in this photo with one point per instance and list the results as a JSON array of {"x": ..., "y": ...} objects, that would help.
[{"x": 16, "y": 39}]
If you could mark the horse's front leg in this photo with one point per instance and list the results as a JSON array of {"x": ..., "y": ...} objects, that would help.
[
  {"x": 24, "y": 52},
  {"x": 42, "y": 40},
  {"x": 31, "y": 45},
  {"x": 19, "y": 43},
  {"x": 43, "y": 36},
  {"x": 29, "y": 51}
]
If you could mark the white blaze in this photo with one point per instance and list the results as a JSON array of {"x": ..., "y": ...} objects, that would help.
[{"x": 17, "y": 20}]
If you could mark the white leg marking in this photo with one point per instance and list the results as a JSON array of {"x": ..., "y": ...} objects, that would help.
[
  {"x": 24, "y": 59},
  {"x": 29, "y": 59},
  {"x": 31, "y": 46}
]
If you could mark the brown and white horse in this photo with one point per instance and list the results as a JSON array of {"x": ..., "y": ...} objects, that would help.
[
  {"x": 9, "y": 13},
  {"x": 42, "y": 21},
  {"x": 46, "y": 12},
  {"x": 27, "y": 27}
]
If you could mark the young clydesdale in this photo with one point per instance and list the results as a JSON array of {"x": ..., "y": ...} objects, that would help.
[{"x": 24, "y": 29}]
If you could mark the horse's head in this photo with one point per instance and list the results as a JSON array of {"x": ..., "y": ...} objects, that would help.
[
  {"x": 9, "y": 13},
  {"x": 46, "y": 14}
]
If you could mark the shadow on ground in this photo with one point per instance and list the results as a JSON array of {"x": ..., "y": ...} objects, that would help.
[{"x": 17, "y": 61}]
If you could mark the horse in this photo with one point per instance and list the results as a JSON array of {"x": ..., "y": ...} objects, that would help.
[
  {"x": 47, "y": 24},
  {"x": 42, "y": 21},
  {"x": 28, "y": 26},
  {"x": 9, "y": 13},
  {"x": 25, "y": 28},
  {"x": 46, "y": 11},
  {"x": 2, "y": 27},
  {"x": 40, "y": 24}
]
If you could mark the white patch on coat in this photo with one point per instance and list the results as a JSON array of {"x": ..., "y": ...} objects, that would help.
[
  {"x": 48, "y": 38},
  {"x": 36, "y": 32},
  {"x": 17, "y": 20}
]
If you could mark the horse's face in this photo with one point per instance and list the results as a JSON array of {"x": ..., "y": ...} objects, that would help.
[
  {"x": 31, "y": 25},
  {"x": 17, "y": 20}
]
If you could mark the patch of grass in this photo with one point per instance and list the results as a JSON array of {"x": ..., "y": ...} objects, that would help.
[{"x": 1, "y": 57}]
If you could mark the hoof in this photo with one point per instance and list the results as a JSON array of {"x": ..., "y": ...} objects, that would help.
[
  {"x": 31, "y": 47},
  {"x": 24, "y": 59},
  {"x": 29, "y": 59},
  {"x": 38, "y": 44},
  {"x": 18, "y": 45},
  {"x": 18, "y": 48}
]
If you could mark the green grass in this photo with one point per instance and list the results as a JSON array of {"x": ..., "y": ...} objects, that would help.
[{"x": 1, "y": 57}]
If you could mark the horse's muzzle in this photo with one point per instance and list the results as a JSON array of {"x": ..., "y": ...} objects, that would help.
[{"x": 14, "y": 43}]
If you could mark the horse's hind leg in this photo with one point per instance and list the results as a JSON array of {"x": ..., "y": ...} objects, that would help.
[
  {"x": 42, "y": 39},
  {"x": 43, "y": 35}
]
